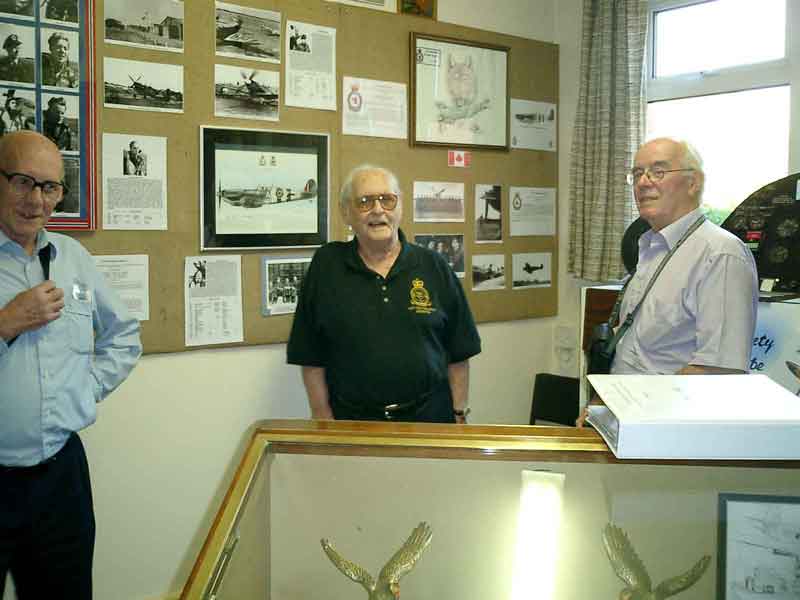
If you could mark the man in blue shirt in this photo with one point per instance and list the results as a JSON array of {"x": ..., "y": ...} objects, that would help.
[{"x": 66, "y": 341}]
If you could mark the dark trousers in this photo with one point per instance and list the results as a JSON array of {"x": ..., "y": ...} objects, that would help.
[
  {"x": 433, "y": 407},
  {"x": 47, "y": 526}
]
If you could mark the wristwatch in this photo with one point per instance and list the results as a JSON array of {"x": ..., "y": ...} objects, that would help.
[{"x": 462, "y": 412}]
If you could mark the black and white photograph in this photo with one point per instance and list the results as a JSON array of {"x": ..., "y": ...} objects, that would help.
[
  {"x": 70, "y": 205},
  {"x": 488, "y": 272},
  {"x": 59, "y": 58},
  {"x": 16, "y": 8},
  {"x": 18, "y": 58},
  {"x": 246, "y": 93},
  {"x": 759, "y": 547},
  {"x": 154, "y": 24},
  {"x": 263, "y": 189},
  {"x": 488, "y": 213},
  {"x": 138, "y": 85},
  {"x": 282, "y": 279},
  {"x": 299, "y": 40},
  {"x": 250, "y": 33},
  {"x": 438, "y": 202},
  {"x": 60, "y": 120},
  {"x": 449, "y": 246},
  {"x": 18, "y": 110},
  {"x": 134, "y": 159},
  {"x": 60, "y": 11},
  {"x": 530, "y": 270}
]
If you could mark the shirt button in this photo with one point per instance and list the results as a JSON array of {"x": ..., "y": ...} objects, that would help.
[
  {"x": 385, "y": 299},
  {"x": 383, "y": 287}
]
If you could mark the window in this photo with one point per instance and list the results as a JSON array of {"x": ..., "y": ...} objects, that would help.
[{"x": 719, "y": 77}]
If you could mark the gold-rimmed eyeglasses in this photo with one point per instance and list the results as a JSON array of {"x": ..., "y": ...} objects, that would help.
[
  {"x": 654, "y": 174},
  {"x": 367, "y": 202}
]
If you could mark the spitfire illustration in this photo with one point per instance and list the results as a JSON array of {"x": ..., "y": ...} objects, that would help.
[
  {"x": 630, "y": 568},
  {"x": 387, "y": 587}
]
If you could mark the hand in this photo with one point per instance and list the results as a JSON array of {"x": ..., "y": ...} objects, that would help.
[
  {"x": 581, "y": 420},
  {"x": 31, "y": 309},
  {"x": 461, "y": 419}
]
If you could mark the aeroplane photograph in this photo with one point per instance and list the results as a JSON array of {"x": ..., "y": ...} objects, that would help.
[
  {"x": 246, "y": 93},
  {"x": 488, "y": 272},
  {"x": 243, "y": 32},
  {"x": 488, "y": 213},
  {"x": 143, "y": 86},
  {"x": 531, "y": 270},
  {"x": 438, "y": 201}
]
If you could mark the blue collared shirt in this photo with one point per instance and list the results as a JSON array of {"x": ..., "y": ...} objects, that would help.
[
  {"x": 51, "y": 378},
  {"x": 702, "y": 308}
]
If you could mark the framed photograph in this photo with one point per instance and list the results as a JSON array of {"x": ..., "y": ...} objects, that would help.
[
  {"x": 459, "y": 93},
  {"x": 419, "y": 8},
  {"x": 281, "y": 278},
  {"x": 263, "y": 189},
  {"x": 759, "y": 546}
]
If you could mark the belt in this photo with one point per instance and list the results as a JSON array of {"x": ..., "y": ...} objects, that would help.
[{"x": 391, "y": 411}]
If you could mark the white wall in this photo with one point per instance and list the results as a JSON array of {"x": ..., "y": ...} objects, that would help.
[{"x": 164, "y": 447}]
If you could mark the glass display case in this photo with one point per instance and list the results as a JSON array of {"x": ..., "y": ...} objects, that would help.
[{"x": 515, "y": 512}]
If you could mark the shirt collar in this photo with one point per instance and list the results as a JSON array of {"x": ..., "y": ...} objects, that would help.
[
  {"x": 404, "y": 259},
  {"x": 672, "y": 232},
  {"x": 42, "y": 240}
]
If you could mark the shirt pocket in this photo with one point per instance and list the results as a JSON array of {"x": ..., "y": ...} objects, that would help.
[{"x": 77, "y": 318}]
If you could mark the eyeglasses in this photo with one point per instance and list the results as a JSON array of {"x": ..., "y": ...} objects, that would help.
[
  {"x": 22, "y": 185},
  {"x": 654, "y": 174},
  {"x": 367, "y": 203}
]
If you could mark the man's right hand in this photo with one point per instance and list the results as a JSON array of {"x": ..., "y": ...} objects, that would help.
[{"x": 31, "y": 309}]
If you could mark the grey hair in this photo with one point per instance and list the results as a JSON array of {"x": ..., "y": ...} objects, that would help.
[
  {"x": 690, "y": 159},
  {"x": 347, "y": 187}
]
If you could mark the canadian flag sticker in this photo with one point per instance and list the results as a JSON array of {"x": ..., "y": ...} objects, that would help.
[{"x": 458, "y": 158}]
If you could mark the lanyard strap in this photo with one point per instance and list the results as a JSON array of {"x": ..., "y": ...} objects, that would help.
[
  {"x": 612, "y": 343},
  {"x": 44, "y": 259}
]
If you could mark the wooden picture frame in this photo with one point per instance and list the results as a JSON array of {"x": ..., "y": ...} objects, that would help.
[
  {"x": 263, "y": 189},
  {"x": 758, "y": 546},
  {"x": 459, "y": 93}
]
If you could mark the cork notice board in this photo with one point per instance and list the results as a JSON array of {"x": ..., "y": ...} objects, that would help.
[{"x": 369, "y": 44}]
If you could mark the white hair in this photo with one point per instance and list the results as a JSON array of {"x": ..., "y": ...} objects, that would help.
[{"x": 346, "y": 195}]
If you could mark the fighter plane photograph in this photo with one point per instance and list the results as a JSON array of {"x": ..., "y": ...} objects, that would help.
[
  {"x": 488, "y": 272},
  {"x": 530, "y": 270},
  {"x": 251, "y": 33},
  {"x": 247, "y": 94},
  {"x": 143, "y": 86}
]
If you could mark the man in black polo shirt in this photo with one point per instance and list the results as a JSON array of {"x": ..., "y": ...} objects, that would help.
[{"x": 382, "y": 330}]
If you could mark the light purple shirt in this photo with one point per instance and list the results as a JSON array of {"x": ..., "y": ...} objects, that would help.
[{"x": 702, "y": 308}]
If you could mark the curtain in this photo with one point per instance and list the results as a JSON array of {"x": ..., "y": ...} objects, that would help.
[{"x": 609, "y": 128}]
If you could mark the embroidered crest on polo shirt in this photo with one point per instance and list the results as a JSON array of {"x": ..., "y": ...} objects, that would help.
[{"x": 420, "y": 298}]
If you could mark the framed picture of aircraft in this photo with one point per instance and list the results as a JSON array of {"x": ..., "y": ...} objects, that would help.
[
  {"x": 758, "y": 546},
  {"x": 459, "y": 93},
  {"x": 263, "y": 189}
]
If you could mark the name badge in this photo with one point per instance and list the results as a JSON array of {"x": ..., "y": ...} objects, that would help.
[{"x": 81, "y": 292}]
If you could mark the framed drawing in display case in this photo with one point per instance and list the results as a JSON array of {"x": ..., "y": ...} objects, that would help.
[
  {"x": 263, "y": 189},
  {"x": 459, "y": 93},
  {"x": 47, "y": 85},
  {"x": 759, "y": 546}
]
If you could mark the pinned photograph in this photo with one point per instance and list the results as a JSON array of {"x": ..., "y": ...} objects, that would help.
[
  {"x": 488, "y": 213},
  {"x": 70, "y": 205},
  {"x": 17, "y": 62},
  {"x": 154, "y": 24},
  {"x": 141, "y": 85},
  {"x": 18, "y": 110},
  {"x": 447, "y": 245},
  {"x": 530, "y": 270},
  {"x": 17, "y": 8},
  {"x": 283, "y": 279},
  {"x": 251, "y": 33},
  {"x": 419, "y": 8},
  {"x": 438, "y": 201},
  {"x": 246, "y": 93},
  {"x": 299, "y": 40},
  {"x": 60, "y": 120},
  {"x": 488, "y": 272},
  {"x": 65, "y": 11},
  {"x": 59, "y": 66}
]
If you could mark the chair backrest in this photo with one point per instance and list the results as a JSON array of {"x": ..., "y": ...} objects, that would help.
[{"x": 555, "y": 399}]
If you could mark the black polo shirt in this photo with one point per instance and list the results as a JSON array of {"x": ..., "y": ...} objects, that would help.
[{"x": 382, "y": 340}]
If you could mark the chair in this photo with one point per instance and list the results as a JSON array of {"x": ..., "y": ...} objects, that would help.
[{"x": 555, "y": 400}]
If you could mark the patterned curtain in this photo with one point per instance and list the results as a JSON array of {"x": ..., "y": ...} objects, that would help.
[{"x": 609, "y": 128}]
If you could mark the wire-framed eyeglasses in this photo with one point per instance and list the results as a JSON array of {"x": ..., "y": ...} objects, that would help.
[
  {"x": 22, "y": 185},
  {"x": 654, "y": 174},
  {"x": 367, "y": 202}
]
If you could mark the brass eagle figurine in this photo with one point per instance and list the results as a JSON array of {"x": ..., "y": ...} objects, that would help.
[
  {"x": 629, "y": 567},
  {"x": 387, "y": 587}
]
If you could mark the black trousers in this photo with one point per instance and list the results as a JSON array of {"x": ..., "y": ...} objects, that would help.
[{"x": 47, "y": 526}]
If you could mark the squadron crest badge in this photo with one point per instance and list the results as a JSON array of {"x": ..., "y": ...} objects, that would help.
[{"x": 420, "y": 298}]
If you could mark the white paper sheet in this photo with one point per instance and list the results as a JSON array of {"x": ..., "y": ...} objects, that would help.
[
  {"x": 310, "y": 66},
  {"x": 129, "y": 276},
  {"x": 533, "y": 211},
  {"x": 134, "y": 182},
  {"x": 533, "y": 125},
  {"x": 213, "y": 300},
  {"x": 374, "y": 108}
]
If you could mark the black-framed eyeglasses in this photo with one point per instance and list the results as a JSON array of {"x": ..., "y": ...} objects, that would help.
[
  {"x": 22, "y": 185},
  {"x": 367, "y": 203},
  {"x": 654, "y": 174}
]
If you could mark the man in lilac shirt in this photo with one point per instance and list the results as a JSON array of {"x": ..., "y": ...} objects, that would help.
[{"x": 66, "y": 341}]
